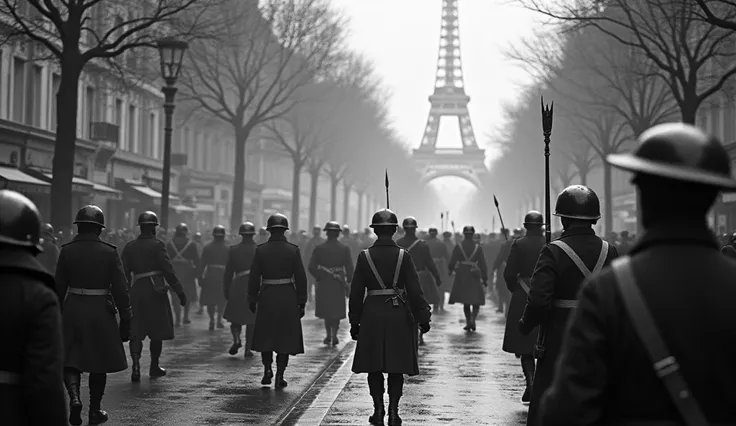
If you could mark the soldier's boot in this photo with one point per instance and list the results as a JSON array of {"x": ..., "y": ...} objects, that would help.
[
  {"x": 393, "y": 410},
  {"x": 97, "y": 382},
  {"x": 186, "y": 314},
  {"x": 155, "y": 370},
  {"x": 328, "y": 331},
  {"x": 528, "y": 366},
  {"x": 421, "y": 338},
  {"x": 248, "y": 341},
  {"x": 237, "y": 344},
  {"x": 335, "y": 327},
  {"x": 71, "y": 380},
  {"x": 379, "y": 412},
  {"x": 136, "y": 347},
  {"x": 282, "y": 361},
  {"x": 219, "y": 318},
  {"x": 267, "y": 359},
  {"x": 466, "y": 311},
  {"x": 473, "y": 316}
]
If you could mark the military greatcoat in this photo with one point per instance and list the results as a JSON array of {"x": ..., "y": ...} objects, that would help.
[
  {"x": 50, "y": 255},
  {"x": 448, "y": 281},
  {"x": 278, "y": 325},
  {"x": 32, "y": 348},
  {"x": 331, "y": 265},
  {"x": 91, "y": 336},
  {"x": 426, "y": 268},
  {"x": 211, "y": 273},
  {"x": 441, "y": 256},
  {"x": 185, "y": 254},
  {"x": 556, "y": 277},
  {"x": 468, "y": 288},
  {"x": 387, "y": 340},
  {"x": 504, "y": 295},
  {"x": 520, "y": 264},
  {"x": 152, "y": 316},
  {"x": 235, "y": 283},
  {"x": 604, "y": 375}
]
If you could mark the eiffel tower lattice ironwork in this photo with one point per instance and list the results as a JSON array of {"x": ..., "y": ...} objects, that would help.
[{"x": 449, "y": 99}]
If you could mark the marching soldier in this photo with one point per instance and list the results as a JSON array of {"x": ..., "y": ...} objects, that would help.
[
  {"x": 262, "y": 236},
  {"x": 625, "y": 243},
  {"x": 331, "y": 265},
  {"x": 211, "y": 272},
  {"x": 32, "y": 357},
  {"x": 471, "y": 272},
  {"x": 384, "y": 321},
  {"x": 184, "y": 254},
  {"x": 491, "y": 249},
  {"x": 557, "y": 277},
  {"x": 447, "y": 284},
  {"x": 429, "y": 276},
  {"x": 349, "y": 241},
  {"x": 651, "y": 341},
  {"x": 50, "y": 254},
  {"x": 146, "y": 262},
  {"x": 523, "y": 256},
  {"x": 309, "y": 249},
  {"x": 92, "y": 287},
  {"x": 502, "y": 286},
  {"x": 277, "y": 292},
  {"x": 235, "y": 289},
  {"x": 441, "y": 257}
]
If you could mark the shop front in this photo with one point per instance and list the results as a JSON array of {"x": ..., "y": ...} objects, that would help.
[
  {"x": 275, "y": 200},
  {"x": 137, "y": 198},
  {"x": 625, "y": 213},
  {"x": 35, "y": 189},
  {"x": 723, "y": 215}
]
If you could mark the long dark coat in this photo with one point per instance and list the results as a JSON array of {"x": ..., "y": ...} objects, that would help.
[
  {"x": 211, "y": 273},
  {"x": 32, "y": 347},
  {"x": 427, "y": 270},
  {"x": 387, "y": 341},
  {"x": 239, "y": 259},
  {"x": 441, "y": 256},
  {"x": 185, "y": 256},
  {"x": 448, "y": 281},
  {"x": 467, "y": 288},
  {"x": 278, "y": 325},
  {"x": 330, "y": 292},
  {"x": 91, "y": 336},
  {"x": 605, "y": 376},
  {"x": 152, "y": 316},
  {"x": 522, "y": 258},
  {"x": 499, "y": 264},
  {"x": 50, "y": 255},
  {"x": 556, "y": 277}
]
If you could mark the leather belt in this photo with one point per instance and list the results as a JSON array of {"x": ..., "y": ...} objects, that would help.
[
  {"x": 136, "y": 277},
  {"x": 88, "y": 291},
  {"x": 382, "y": 292},
  {"x": 242, "y": 273},
  {"x": 216, "y": 266},
  {"x": 565, "y": 303},
  {"x": 278, "y": 281},
  {"x": 9, "y": 378},
  {"x": 465, "y": 262}
]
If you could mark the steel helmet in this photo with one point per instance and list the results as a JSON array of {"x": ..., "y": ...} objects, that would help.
[
  {"x": 409, "y": 223},
  {"x": 218, "y": 231},
  {"x": 332, "y": 226},
  {"x": 90, "y": 214},
  {"x": 469, "y": 230},
  {"x": 578, "y": 202},
  {"x": 384, "y": 217},
  {"x": 20, "y": 222},
  {"x": 247, "y": 228},
  {"x": 148, "y": 218},
  {"x": 277, "y": 221},
  {"x": 533, "y": 218}
]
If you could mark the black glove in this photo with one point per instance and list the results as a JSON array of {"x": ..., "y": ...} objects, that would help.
[
  {"x": 124, "y": 330},
  {"x": 355, "y": 331},
  {"x": 253, "y": 307},
  {"x": 182, "y": 298},
  {"x": 301, "y": 311},
  {"x": 424, "y": 327}
]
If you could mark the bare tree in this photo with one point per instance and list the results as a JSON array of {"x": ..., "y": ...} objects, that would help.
[
  {"x": 693, "y": 58},
  {"x": 78, "y": 33},
  {"x": 256, "y": 76},
  {"x": 315, "y": 167},
  {"x": 721, "y": 13}
]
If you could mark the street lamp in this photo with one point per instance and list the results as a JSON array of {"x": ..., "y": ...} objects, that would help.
[{"x": 172, "y": 54}]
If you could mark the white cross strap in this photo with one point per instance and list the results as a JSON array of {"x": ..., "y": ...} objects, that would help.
[
  {"x": 179, "y": 257},
  {"x": 467, "y": 259},
  {"x": 375, "y": 271},
  {"x": 579, "y": 262},
  {"x": 412, "y": 245}
]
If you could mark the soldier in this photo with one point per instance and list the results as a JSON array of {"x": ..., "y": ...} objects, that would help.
[
  {"x": 349, "y": 241},
  {"x": 331, "y": 265},
  {"x": 471, "y": 272},
  {"x": 558, "y": 274},
  {"x": 448, "y": 283},
  {"x": 50, "y": 254},
  {"x": 32, "y": 357},
  {"x": 662, "y": 309},
  {"x": 277, "y": 291},
  {"x": 441, "y": 257},
  {"x": 625, "y": 244},
  {"x": 262, "y": 236},
  {"x": 146, "y": 262},
  {"x": 502, "y": 287},
  {"x": 93, "y": 288},
  {"x": 210, "y": 273},
  {"x": 185, "y": 256},
  {"x": 523, "y": 256},
  {"x": 426, "y": 269},
  {"x": 390, "y": 312},
  {"x": 309, "y": 249},
  {"x": 235, "y": 289}
]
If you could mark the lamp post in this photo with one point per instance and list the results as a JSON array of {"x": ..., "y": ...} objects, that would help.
[{"x": 171, "y": 53}]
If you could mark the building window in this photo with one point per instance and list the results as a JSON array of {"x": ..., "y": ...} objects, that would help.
[
  {"x": 153, "y": 135},
  {"x": 715, "y": 115},
  {"x": 132, "y": 133},
  {"x": 19, "y": 73},
  {"x": 206, "y": 153},
  {"x": 35, "y": 89},
  {"x": 55, "y": 83},
  {"x": 89, "y": 112},
  {"x": 118, "y": 117}
]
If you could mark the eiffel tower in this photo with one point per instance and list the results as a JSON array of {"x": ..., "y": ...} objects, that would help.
[{"x": 449, "y": 99}]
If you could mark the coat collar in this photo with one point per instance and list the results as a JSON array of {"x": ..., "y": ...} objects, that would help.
[
  {"x": 22, "y": 260},
  {"x": 577, "y": 231},
  {"x": 385, "y": 242},
  {"x": 676, "y": 234},
  {"x": 277, "y": 238},
  {"x": 86, "y": 237}
]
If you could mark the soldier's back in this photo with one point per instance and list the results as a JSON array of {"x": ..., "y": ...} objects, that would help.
[
  {"x": 137, "y": 254},
  {"x": 528, "y": 253},
  {"x": 85, "y": 262},
  {"x": 276, "y": 258}
]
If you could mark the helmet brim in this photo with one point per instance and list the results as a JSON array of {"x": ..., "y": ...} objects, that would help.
[
  {"x": 376, "y": 225},
  {"x": 276, "y": 226},
  {"x": 581, "y": 217},
  {"x": 635, "y": 164},
  {"x": 89, "y": 221}
]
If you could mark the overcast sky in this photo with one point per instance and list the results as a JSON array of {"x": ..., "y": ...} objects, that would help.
[{"x": 402, "y": 39}]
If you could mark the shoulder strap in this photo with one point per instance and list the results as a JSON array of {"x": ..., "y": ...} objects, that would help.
[
  {"x": 601, "y": 258},
  {"x": 398, "y": 267},
  {"x": 375, "y": 271},
  {"x": 579, "y": 262},
  {"x": 462, "y": 250},
  {"x": 180, "y": 252},
  {"x": 665, "y": 365},
  {"x": 475, "y": 250},
  {"x": 412, "y": 245}
]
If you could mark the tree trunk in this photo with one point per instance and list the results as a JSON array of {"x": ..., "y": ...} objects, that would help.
[
  {"x": 688, "y": 110},
  {"x": 346, "y": 203},
  {"x": 313, "y": 189},
  {"x": 360, "y": 222},
  {"x": 607, "y": 199},
  {"x": 65, "y": 141},
  {"x": 236, "y": 210},
  {"x": 296, "y": 196},
  {"x": 333, "y": 196},
  {"x": 583, "y": 173}
]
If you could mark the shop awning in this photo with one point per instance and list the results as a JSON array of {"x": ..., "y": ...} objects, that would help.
[
  {"x": 138, "y": 191},
  {"x": 16, "y": 180},
  {"x": 78, "y": 184},
  {"x": 181, "y": 208},
  {"x": 106, "y": 191},
  {"x": 205, "y": 208}
]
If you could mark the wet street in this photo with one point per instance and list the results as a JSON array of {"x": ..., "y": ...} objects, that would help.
[{"x": 466, "y": 379}]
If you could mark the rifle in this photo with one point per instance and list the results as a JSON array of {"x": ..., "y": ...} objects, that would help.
[
  {"x": 337, "y": 277},
  {"x": 503, "y": 227}
]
